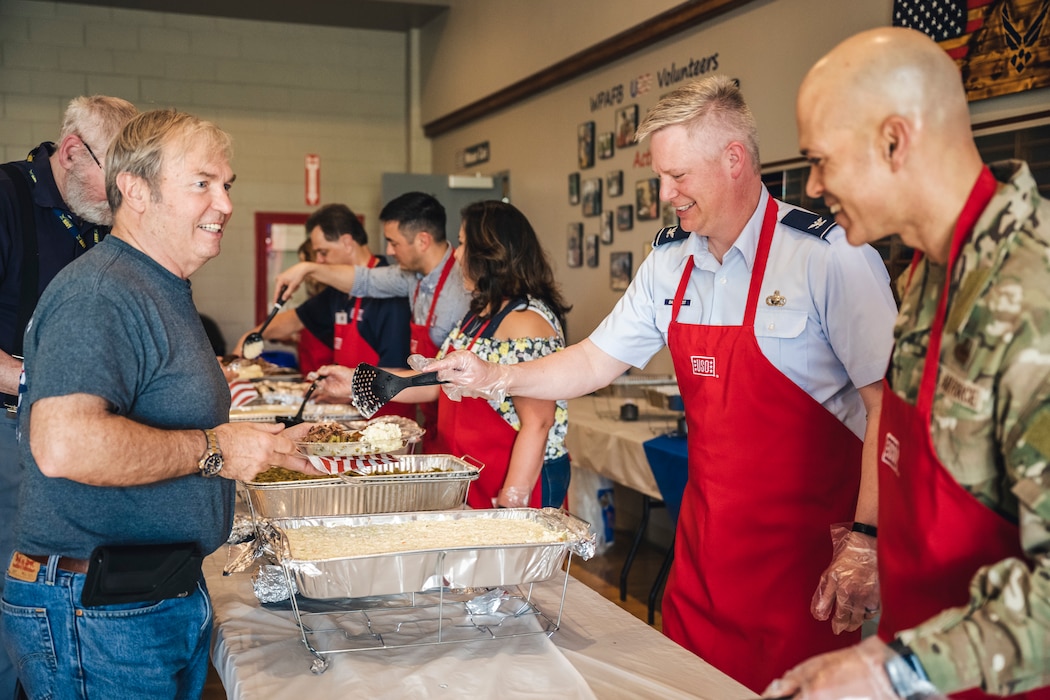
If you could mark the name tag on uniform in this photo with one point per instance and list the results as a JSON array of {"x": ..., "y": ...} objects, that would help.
[
  {"x": 962, "y": 391},
  {"x": 340, "y": 318},
  {"x": 23, "y": 568},
  {"x": 670, "y": 302}
]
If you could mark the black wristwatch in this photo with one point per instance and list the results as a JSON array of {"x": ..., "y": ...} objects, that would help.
[
  {"x": 211, "y": 463},
  {"x": 906, "y": 672}
]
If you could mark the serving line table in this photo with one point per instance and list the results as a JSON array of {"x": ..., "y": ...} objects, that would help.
[
  {"x": 600, "y": 651},
  {"x": 599, "y": 441}
]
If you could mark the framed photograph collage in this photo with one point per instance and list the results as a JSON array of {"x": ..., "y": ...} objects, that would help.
[{"x": 595, "y": 190}]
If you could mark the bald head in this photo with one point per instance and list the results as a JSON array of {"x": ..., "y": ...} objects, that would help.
[
  {"x": 889, "y": 71},
  {"x": 885, "y": 112}
]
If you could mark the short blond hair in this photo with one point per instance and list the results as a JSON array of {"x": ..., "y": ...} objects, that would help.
[
  {"x": 714, "y": 102},
  {"x": 139, "y": 147}
]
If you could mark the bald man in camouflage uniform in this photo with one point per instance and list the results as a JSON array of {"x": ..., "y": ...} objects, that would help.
[{"x": 964, "y": 516}]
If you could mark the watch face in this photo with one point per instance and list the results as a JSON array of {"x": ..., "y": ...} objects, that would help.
[{"x": 211, "y": 465}]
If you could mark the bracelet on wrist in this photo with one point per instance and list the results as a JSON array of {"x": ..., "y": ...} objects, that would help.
[{"x": 865, "y": 529}]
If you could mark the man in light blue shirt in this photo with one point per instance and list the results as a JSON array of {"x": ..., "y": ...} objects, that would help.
[{"x": 780, "y": 332}]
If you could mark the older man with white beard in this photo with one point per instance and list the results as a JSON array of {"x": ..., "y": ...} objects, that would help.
[{"x": 53, "y": 208}]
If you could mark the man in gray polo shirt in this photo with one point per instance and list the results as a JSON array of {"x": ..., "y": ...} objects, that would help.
[{"x": 130, "y": 463}]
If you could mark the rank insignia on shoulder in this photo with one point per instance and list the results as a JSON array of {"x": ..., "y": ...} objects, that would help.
[
  {"x": 808, "y": 222},
  {"x": 669, "y": 235}
]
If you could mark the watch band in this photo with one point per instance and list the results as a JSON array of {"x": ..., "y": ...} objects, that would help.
[
  {"x": 865, "y": 529},
  {"x": 906, "y": 674},
  {"x": 210, "y": 463}
]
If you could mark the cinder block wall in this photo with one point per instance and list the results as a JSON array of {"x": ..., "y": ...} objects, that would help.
[{"x": 281, "y": 90}]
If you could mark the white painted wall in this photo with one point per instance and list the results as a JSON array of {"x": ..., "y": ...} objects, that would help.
[
  {"x": 281, "y": 90},
  {"x": 482, "y": 46}
]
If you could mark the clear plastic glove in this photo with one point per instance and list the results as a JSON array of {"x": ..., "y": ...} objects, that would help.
[
  {"x": 857, "y": 673},
  {"x": 467, "y": 375},
  {"x": 514, "y": 497},
  {"x": 848, "y": 591}
]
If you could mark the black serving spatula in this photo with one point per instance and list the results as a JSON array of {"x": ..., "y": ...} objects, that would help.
[
  {"x": 372, "y": 388},
  {"x": 298, "y": 417}
]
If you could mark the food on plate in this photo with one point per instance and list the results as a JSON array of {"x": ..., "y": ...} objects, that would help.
[
  {"x": 332, "y": 432},
  {"x": 335, "y": 440},
  {"x": 318, "y": 543},
  {"x": 384, "y": 437}
]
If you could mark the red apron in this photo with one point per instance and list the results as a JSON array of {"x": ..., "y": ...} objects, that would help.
[
  {"x": 312, "y": 352},
  {"x": 471, "y": 427},
  {"x": 933, "y": 534},
  {"x": 423, "y": 345},
  {"x": 351, "y": 350},
  {"x": 770, "y": 470}
]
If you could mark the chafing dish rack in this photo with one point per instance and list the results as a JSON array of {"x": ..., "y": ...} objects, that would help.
[{"x": 425, "y": 592}]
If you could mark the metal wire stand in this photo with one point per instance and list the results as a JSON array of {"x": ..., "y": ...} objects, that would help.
[{"x": 421, "y": 619}]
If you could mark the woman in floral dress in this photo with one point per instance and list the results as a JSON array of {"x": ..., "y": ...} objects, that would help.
[{"x": 516, "y": 315}]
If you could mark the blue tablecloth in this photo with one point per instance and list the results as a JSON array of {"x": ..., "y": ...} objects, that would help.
[{"x": 669, "y": 460}]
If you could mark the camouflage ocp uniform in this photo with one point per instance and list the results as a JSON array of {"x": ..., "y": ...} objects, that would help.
[{"x": 991, "y": 430}]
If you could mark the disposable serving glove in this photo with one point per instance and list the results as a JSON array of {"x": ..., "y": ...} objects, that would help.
[
  {"x": 467, "y": 375},
  {"x": 848, "y": 590}
]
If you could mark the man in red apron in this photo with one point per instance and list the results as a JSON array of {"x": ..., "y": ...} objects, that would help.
[
  {"x": 774, "y": 325},
  {"x": 426, "y": 273},
  {"x": 963, "y": 459},
  {"x": 354, "y": 330}
]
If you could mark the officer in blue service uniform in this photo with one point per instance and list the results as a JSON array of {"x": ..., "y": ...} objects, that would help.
[{"x": 780, "y": 332}]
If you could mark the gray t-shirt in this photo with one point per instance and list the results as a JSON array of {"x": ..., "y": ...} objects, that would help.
[{"x": 117, "y": 325}]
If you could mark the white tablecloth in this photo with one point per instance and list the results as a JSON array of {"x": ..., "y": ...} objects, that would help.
[
  {"x": 601, "y": 651},
  {"x": 599, "y": 441}
]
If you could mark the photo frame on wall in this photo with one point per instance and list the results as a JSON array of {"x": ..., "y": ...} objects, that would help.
[
  {"x": 591, "y": 250},
  {"x": 614, "y": 183},
  {"x": 624, "y": 217},
  {"x": 574, "y": 245},
  {"x": 626, "y": 125},
  {"x": 620, "y": 270},
  {"x": 605, "y": 145},
  {"x": 574, "y": 188},
  {"x": 585, "y": 145},
  {"x": 607, "y": 227},
  {"x": 647, "y": 199},
  {"x": 592, "y": 196}
]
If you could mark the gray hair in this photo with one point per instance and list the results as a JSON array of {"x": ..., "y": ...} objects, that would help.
[
  {"x": 714, "y": 103},
  {"x": 139, "y": 147},
  {"x": 96, "y": 119}
]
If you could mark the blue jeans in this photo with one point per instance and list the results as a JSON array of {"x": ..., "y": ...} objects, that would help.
[
  {"x": 10, "y": 482},
  {"x": 555, "y": 480},
  {"x": 144, "y": 650}
]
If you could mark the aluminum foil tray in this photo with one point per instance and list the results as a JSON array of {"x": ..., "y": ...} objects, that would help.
[
  {"x": 432, "y": 482},
  {"x": 433, "y": 569}
]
